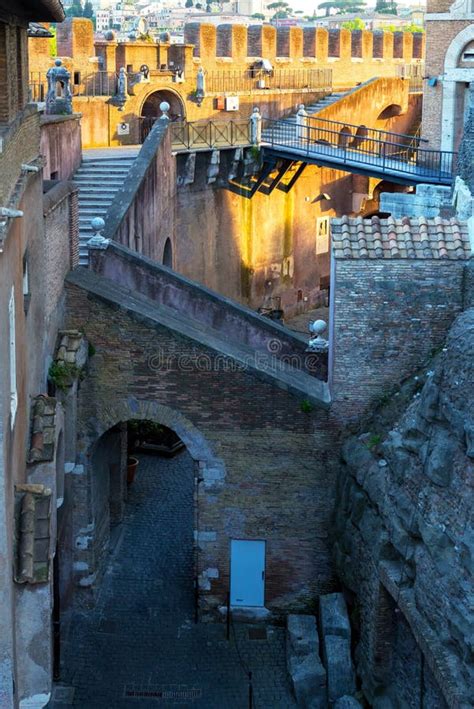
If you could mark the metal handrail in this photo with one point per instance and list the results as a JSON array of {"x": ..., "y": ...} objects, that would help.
[
  {"x": 370, "y": 151},
  {"x": 357, "y": 127}
]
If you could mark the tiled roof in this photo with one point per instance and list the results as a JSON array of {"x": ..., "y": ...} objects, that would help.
[{"x": 405, "y": 238}]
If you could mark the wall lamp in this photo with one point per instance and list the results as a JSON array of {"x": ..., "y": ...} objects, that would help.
[{"x": 321, "y": 197}]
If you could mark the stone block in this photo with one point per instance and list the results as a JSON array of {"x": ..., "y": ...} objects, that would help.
[
  {"x": 301, "y": 635},
  {"x": 333, "y": 616},
  {"x": 338, "y": 662},
  {"x": 309, "y": 681},
  {"x": 347, "y": 702},
  {"x": 303, "y": 662}
]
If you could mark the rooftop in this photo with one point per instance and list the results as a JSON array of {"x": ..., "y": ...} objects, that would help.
[{"x": 405, "y": 238}]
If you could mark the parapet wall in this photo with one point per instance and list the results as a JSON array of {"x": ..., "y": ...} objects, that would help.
[{"x": 237, "y": 42}]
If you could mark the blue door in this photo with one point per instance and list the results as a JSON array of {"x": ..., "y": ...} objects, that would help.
[{"x": 247, "y": 572}]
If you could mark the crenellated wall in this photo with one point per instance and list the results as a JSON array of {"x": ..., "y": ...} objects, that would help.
[{"x": 378, "y": 53}]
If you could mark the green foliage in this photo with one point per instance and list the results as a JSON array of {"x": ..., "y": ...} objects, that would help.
[
  {"x": 373, "y": 441},
  {"x": 189, "y": 3},
  {"x": 342, "y": 6},
  {"x": 76, "y": 9},
  {"x": 413, "y": 29},
  {"x": 306, "y": 406},
  {"x": 53, "y": 45},
  {"x": 62, "y": 374},
  {"x": 386, "y": 7},
  {"x": 258, "y": 16},
  {"x": 255, "y": 152},
  {"x": 88, "y": 10},
  {"x": 356, "y": 24}
]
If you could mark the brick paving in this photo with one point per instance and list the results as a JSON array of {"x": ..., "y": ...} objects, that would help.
[{"x": 139, "y": 645}]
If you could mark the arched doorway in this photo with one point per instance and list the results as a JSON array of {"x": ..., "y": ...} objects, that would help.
[
  {"x": 150, "y": 110},
  {"x": 456, "y": 78},
  {"x": 168, "y": 254}
]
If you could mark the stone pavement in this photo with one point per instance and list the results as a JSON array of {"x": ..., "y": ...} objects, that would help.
[{"x": 139, "y": 646}]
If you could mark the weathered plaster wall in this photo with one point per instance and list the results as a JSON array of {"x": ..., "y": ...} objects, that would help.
[{"x": 403, "y": 539}]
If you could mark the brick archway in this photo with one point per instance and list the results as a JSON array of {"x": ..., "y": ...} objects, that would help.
[
  {"x": 454, "y": 77},
  {"x": 132, "y": 408}
]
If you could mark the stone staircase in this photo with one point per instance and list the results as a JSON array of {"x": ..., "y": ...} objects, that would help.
[
  {"x": 99, "y": 177},
  {"x": 311, "y": 109}
]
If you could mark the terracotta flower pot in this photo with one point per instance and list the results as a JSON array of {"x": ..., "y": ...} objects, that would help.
[{"x": 132, "y": 465}]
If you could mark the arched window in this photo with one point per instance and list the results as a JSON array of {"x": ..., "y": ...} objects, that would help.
[{"x": 168, "y": 254}]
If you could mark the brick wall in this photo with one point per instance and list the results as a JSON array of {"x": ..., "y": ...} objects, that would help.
[
  {"x": 20, "y": 145},
  {"x": 439, "y": 35},
  {"x": 389, "y": 316},
  {"x": 61, "y": 241},
  {"x": 273, "y": 456},
  {"x": 14, "y": 71}
]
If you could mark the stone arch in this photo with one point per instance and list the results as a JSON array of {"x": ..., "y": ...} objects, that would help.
[
  {"x": 344, "y": 137},
  {"x": 394, "y": 109},
  {"x": 168, "y": 253},
  {"x": 132, "y": 408},
  {"x": 360, "y": 136},
  {"x": 150, "y": 103},
  {"x": 454, "y": 80},
  {"x": 451, "y": 58}
]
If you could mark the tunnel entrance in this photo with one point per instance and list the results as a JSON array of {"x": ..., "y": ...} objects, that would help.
[{"x": 151, "y": 110}]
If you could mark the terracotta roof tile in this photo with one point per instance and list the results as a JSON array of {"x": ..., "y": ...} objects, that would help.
[{"x": 409, "y": 237}]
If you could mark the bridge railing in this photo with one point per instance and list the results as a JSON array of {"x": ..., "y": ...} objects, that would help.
[
  {"x": 361, "y": 133},
  {"x": 396, "y": 154},
  {"x": 202, "y": 135},
  {"x": 251, "y": 79}
]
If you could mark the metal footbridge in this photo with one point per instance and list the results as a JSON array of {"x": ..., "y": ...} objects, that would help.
[
  {"x": 396, "y": 157},
  {"x": 392, "y": 156}
]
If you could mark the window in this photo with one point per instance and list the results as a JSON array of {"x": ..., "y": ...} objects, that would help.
[
  {"x": 26, "y": 285},
  {"x": 322, "y": 235},
  {"x": 12, "y": 335},
  {"x": 468, "y": 56}
]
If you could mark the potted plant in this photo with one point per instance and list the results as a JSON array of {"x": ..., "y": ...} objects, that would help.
[{"x": 132, "y": 465}]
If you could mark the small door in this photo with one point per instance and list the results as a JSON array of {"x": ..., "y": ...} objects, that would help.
[{"x": 247, "y": 572}]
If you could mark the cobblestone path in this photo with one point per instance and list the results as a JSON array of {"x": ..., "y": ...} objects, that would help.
[{"x": 139, "y": 646}]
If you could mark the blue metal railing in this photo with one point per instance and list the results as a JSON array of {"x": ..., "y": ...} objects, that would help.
[{"x": 377, "y": 151}]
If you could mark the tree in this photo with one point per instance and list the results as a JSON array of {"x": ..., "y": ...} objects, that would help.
[
  {"x": 88, "y": 10},
  {"x": 356, "y": 24},
  {"x": 387, "y": 7},
  {"x": 258, "y": 16},
  {"x": 75, "y": 10},
  {"x": 342, "y": 6},
  {"x": 189, "y": 3}
]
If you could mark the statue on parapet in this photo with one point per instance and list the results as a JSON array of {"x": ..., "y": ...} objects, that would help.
[{"x": 59, "y": 96}]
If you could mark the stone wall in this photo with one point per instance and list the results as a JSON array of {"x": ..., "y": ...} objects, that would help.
[
  {"x": 403, "y": 544},
  {"x": 389, "y": 316}
]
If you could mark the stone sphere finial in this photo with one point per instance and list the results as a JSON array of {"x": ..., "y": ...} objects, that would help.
[
  {"x": 164, "y": 108},
  {"x": 317, "y": 327},
  {"x": 98, "y": 225}
]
